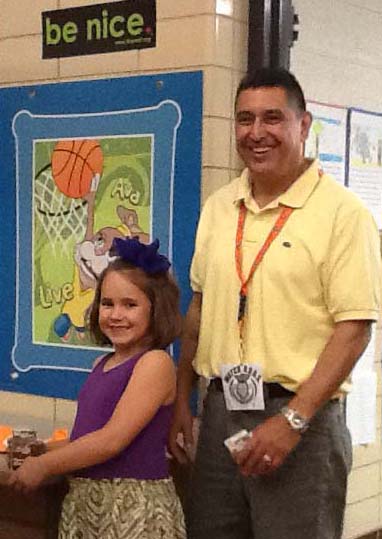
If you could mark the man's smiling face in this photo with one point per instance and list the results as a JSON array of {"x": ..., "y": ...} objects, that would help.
[{"x": 270, "y": 132}]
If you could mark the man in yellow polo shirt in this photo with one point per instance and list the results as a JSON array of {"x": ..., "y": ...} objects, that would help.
[{"x": 286, "y": 280}]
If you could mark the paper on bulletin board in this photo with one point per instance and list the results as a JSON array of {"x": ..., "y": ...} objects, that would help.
[
  {"x": 365, "y": 160},
  {"x": 361, "y": 408},
  {"x": 361, "y": 402},
  {"x": 327, "y": 139}
]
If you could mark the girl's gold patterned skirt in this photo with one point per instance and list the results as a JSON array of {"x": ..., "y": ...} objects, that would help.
[{"x": 121, "y": 509}]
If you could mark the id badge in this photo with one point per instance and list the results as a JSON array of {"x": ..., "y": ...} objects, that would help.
[{"x": 243, "y": 386}]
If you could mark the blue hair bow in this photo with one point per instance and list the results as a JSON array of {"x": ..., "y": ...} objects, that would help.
[{"x": 141, "y": 255}]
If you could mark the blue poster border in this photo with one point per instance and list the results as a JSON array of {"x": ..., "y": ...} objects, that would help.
[{"x": 87, "y": 101}]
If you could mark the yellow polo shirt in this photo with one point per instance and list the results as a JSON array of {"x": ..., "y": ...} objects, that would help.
[{"x": 323, "y": 268}]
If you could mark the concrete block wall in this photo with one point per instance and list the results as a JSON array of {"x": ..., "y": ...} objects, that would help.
[{"x": 338, "y": 59}]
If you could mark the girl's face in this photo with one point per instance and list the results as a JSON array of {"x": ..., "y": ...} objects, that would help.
[{"x": 124, "y": 313}]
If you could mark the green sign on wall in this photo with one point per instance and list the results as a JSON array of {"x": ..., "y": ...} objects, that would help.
[{"x": 99, "y": 28}]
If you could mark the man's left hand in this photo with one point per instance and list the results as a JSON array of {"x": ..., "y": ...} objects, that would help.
[{"x": 271, "y": 443}]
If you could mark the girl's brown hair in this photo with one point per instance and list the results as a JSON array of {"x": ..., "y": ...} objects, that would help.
[{"x": 163, "y": 293}]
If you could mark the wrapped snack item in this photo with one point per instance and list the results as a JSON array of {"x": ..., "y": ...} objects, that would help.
[
  {"x": 236, "y": 442},
  {"x": 23, "y": 444}
]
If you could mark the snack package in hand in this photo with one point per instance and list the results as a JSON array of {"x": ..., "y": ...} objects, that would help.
[{"x": 236, "y": 442}]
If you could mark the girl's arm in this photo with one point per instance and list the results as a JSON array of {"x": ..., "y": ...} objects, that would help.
[
  {"x": 152, "y": 384},
  {"x": 56, "y": 444}
]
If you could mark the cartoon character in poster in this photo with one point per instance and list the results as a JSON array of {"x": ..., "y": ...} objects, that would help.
[{"x": 91, "y": 192}]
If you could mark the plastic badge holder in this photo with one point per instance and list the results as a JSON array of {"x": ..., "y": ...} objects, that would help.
[{"x": 237, "y": 441}]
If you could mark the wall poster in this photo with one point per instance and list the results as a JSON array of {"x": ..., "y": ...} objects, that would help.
[
  {"x": 327, "y": 138},
  {"x": 365, "y": 159},
  {"x": 83, "y": 163}
]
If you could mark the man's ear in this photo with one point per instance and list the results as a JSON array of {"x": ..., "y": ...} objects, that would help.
[{"x": 306, "y": 122}]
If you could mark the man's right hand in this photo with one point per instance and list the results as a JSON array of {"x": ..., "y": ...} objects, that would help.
[{"x": 181, "y": 438}]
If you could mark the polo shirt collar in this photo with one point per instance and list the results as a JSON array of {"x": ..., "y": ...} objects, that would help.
[{"x": 295, "y": 197}]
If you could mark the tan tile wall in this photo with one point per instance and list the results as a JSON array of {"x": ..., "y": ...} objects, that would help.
[{"x": 338, "y": 59}]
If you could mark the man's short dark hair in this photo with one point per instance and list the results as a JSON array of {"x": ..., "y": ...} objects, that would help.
[{"x": 275, "y": 77}]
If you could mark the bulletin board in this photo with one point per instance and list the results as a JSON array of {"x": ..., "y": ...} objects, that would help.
[
  {"x": 365, "y": 159},
  {"x": 83, "y": 162},
  {"x": 348, "y": 144}
]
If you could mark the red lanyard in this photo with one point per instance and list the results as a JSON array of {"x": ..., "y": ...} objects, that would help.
[{"x": 276, "y": 229}]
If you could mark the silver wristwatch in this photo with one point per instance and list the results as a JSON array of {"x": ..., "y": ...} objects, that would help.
[{"x": 296, "y": 421}]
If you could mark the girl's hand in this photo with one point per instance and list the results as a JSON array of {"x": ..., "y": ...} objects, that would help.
[{"x": 29, "y": 476}]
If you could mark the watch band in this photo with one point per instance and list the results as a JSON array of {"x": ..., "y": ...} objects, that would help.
[{"x": 296, "y": 421}]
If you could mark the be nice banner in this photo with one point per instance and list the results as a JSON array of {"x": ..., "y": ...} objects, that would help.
[{"x": 99, "y": 28}]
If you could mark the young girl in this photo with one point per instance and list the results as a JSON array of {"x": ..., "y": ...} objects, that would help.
[{"x": 120, "y": 487}]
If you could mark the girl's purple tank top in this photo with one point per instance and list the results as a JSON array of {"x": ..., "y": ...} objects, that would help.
[{"x": 145, "y": 457}]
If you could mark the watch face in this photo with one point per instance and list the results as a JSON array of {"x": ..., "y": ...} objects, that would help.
[
  {"x": 294, "y": 419},
  {"x": 298, "y": 422}
]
